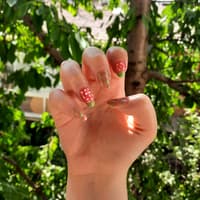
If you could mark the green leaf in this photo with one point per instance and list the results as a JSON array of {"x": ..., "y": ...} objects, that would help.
[
  {"x": 13, "y": 192},
  {"x": 21, "y": 9},
  {"x": 55, "y": 32},
  {"x": 74, "y": 48},
  {"x": 81, "y": 41},
  {"x": 11, "y": 3},
  {"x": 73, "y": 10},
  {"x": 53, "y": 145},
  {"x": 98, "y": 14}
]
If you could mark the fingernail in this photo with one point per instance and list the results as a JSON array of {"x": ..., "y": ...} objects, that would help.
[
  {"x": 116, "y": 102},
  {"x": 87, "y": 96},
  {"x": 120, "y": 68},
  {"x": 103, "y": 79},
  {"x": 80, "y": 115}
]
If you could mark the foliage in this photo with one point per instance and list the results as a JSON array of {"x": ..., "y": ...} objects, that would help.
[
  {"x": 171, "y": 165},
  {"x": 32, "y": 163}
]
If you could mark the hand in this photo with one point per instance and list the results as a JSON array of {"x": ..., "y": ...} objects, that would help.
[{"x": 101, "y": 131}]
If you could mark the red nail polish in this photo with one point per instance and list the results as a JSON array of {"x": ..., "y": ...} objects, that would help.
[
  {"x": 87, "y": 96},
  {"x": 120, "y": 68}
]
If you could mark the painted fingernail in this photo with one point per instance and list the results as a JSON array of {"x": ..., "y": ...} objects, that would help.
[
  {"x": 104, "y": 79},
  {"x": 87, "y": 96},
  {"x": 116, "y": 102},
  {"x": 120, "y": 68}
]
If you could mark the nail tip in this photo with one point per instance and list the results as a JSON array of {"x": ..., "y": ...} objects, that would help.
[
  {"x": 91, "y": 104},
  {"x": 107, "y": 85},
  {"x": 83, "y": 117},
  {"x": 121, "y": 74},
  {"x": 104, "y": 79}
]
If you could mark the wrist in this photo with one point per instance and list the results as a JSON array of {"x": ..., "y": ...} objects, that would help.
[
  {"x": 97, "y": 186},
  {"x": 79, "y": 166}
]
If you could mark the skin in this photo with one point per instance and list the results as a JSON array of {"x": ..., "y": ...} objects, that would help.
[{"x": 100, "y": 143}]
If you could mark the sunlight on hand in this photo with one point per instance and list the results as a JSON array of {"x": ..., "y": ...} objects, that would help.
[{"x": 130, "y": 124}]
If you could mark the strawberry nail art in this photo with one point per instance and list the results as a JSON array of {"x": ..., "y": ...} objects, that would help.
[
  {"x": 120, "y": 69},
  {"x": 87, "y": 96}
]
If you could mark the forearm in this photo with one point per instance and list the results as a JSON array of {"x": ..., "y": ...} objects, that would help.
[{"x": 97, "y": 186}]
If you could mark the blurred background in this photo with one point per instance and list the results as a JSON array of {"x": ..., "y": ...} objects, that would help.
[{"x": 37, "y": 35}]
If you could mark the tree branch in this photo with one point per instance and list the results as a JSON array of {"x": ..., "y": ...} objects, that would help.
[
  {"x": 175, "y": 84},
  {"x": 42, "y": 36},
  {"x": 161, "y": 77},
  {"x": 186, "y": 81},
  {"x": 158, "y": 76},
  {"x": 36, "y": 188}
]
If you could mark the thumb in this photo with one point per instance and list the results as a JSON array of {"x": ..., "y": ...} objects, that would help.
[{"x": 141, "y": 108}]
